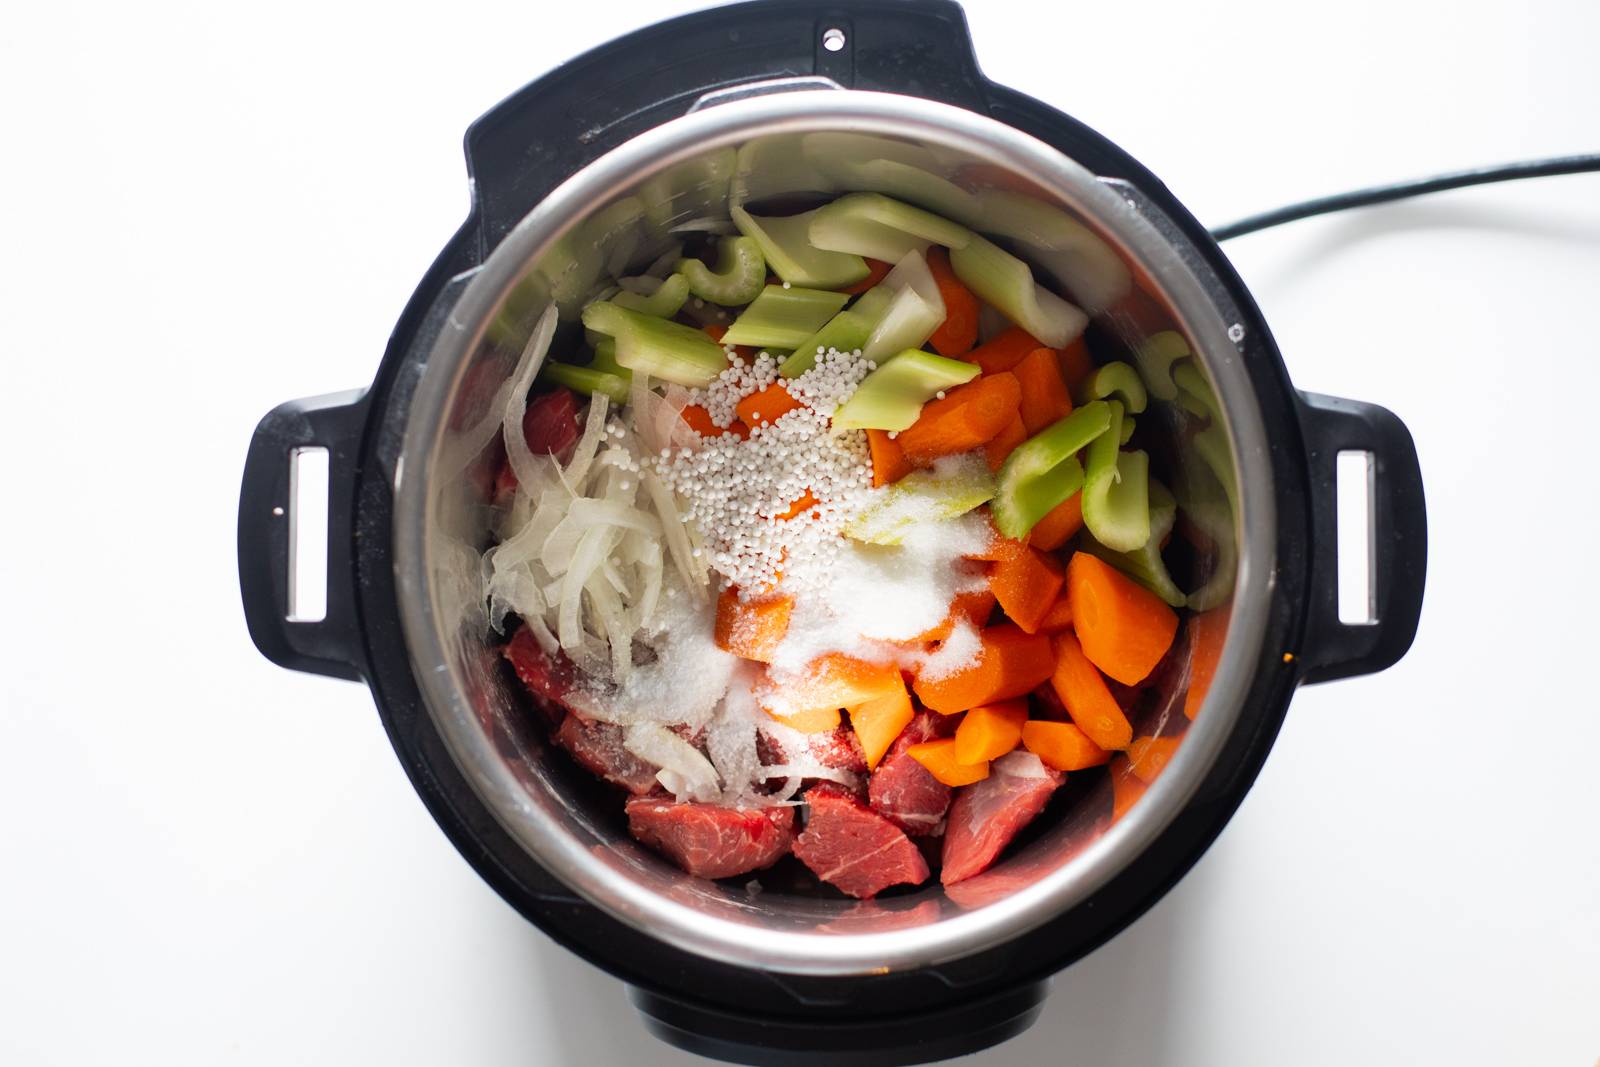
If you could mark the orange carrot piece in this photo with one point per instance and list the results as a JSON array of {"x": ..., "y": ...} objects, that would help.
[
  {"x": 751, "y": 628},
  {"x": 959, "y": 331},
  {"x": 804, "y": 504},
  {"x": 1148, "y": 756},
  {"x": 939, "y": 757},
  {"x": 969, "y": 416},
  {"x": 990, "y": 731},
  {"x": 1058, "y": 618},
  {"x": 975, "y": 607},
  {"x": 1125, "y": 628},
  {"x": 699, "y": 420},
  {"x": 810, "y": 721},
  {"x": 879, "y": 721},
  {"x": 1003, "y": 351},
  {"x": 1005, "y": 442},
  {"x": 831, "y": 681},
  {"x": 1206, "y": 633},
  {"x": 1076, "y": 363},
  {"x": 714, "y": 330},
  {"x": 1058, "y": 524},
  {"x": 1010, "y": 662},
  {"x": 1126, "y": 787},
  {"x": 1090, "y": 703},
  {"x": 1026, "y": 586},
  {"x": 769, "y": 405},
  {"x": 889, "y": 463},
  {"x": 877, "y": 270},
  {"x": 1044, "y": 395},
  {"x": 1062, "y": 745},
  {"x": 1000, "y": 548}
]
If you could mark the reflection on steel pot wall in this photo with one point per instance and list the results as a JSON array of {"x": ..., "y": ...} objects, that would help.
[{"x": 601, "y": 168}]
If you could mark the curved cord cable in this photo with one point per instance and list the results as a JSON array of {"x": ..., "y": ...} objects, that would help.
[{"x": 1383, "y": 194}]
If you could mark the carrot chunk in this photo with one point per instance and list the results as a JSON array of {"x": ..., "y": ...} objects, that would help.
[
  {"x": 879, "y": 721},
  {"x": 714, "y": 330},
  {"x": 1125, "y": 628},
  {"x": 1126, "y": 787},
  {"x": 1148, "y": 756},
  {"x": 1004, "y": 443},
  {"x": 769, "y": 405},
  {"x": 804, "y": 504},
  {"x": 1206, "y": 633},
  {"x": 1009, "y": 663},
  {"x": 809, "y": 721},
  {"x": 1058, "y": 524},
  {"x": 1088, "y": 700},
  {"x": 969, "y": 416},
  {"x": 752, "y": 629},
  {"x": 1026, "y": 585},
  {"x": 939, "y": 757},
  {"x": 1058, "y": 618},
  {"x": 889, "y": 463},
  {"x": 1062, "y": 745},
  {"x": 877, "y": 270},
  {"x": 1044, "y": 395},
  {"x": 1076, "y": 363},
  {"x": 959, "y": 331},
  {"x": 699, "y": 420},
  {"x": 990, "y": 731},
  {"x": 832, "y": 681},
  {"x": 1003, "y": 351},
  {"x": 975, "y": 607}
]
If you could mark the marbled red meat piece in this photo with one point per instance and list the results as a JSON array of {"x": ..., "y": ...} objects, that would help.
[
  {"x": 986, "y": 815},
  {"x": 902, "y": 790},
  {"x": 547, "y": 677},
  {"x": 550, "y": 426},
  {"x": 852, "y": 847},
  {"x": 709, "y": 840},
  {"x": 597, "y": 746}
]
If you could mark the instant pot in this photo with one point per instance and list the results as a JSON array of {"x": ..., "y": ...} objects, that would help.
[{"x": 591, "y": 171}]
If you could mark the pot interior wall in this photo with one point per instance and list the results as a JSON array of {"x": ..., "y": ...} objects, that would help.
[{"x": 682, "y": 206}]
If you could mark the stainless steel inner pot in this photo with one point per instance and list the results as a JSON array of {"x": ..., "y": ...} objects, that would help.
[{"x": 614, "y": 216}]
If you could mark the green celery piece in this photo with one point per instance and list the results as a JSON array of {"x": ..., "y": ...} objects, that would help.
[
  {"x": 913, "y": 311},
  {"x": 774, "y": 165},
  {"x": 1044, "y": 470},
  {"x": 586, "y": 380},
  {"x": 783, "y": 318},
  {"x": 694, "y": 189},
  {"x": 1155, "y": 357},
  {"x": 1196, "y": 396},
  {"x": 952, "y": 488},
  {"x": 1204, "y": 501},
  {"x": 869, "y": 163},
  {"x": 738, "y": 277},
  {"x": 1116, "y": 501},
  {"x": 876, "y": 226},
  {"x": 664, "y": 303},
  {"x": 846, "y": 331},
  {"x": 1117, "y": 380},
  {"x": 615, "y": 232},
  {"x": 660, "y": 347},
  {"x": 1085, "y": 266},
  {"x": 786, "y": 245},
  {"x": 1000, "y": 278},
  {"x": 891, "y": 397},
  {"x": 605, "y": 357},
  {"x": 1127, "y": 430},
  {"x": 1145, "y": 565}
]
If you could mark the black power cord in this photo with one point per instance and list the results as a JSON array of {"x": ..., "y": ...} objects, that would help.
[{"x": 1383, "y": 194}]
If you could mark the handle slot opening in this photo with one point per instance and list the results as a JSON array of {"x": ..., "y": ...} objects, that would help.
[
  {"x": 308, "y": 535},
  {"x": 1356, "y": 534}
]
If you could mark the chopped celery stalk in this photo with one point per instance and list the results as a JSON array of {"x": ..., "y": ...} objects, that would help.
[
  {"x": 1116, "y": 491},
  {"x": 1000, "y": 278},
  {"x": 615, "y": 232},
  {"x": 891, "y": 397},
  {"x": 660, "y": 347},
  {"x": 1205, "y": 504},
  {"x": 1119, "y": 381},
  {"x": 846, "y": 331},
  {"x": 1084, "y": 265},
  {"x": 664, "y": 303},
  {"x": 866, "y": 162},
  {"x": 873, "y": 225},
  {"x": 1196, "y": 396},
  {"x": 586, "y": 380},
  {"x": 783, "y": 318},
  {"x": 774, "y": 165},
  {"x": 738, "y": 278},
  {"x": 1044, "y": 470},
  {"x": 1155, "y": 357},
  {"x": 913, "y": 312},
  {"x": 694, "y": 189},
  {"x": 605, "y": 357},
  {"x": 1191, "y": 383},
  {"x": 1127, "y": 430},
  {"x": 1145, "y": 565},
  {"x": 955, "y": 486},
  {"x": 875, "y": 301},
  {"x": 786, "y": 245}
]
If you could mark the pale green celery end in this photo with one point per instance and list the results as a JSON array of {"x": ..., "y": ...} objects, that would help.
[
  {"x": 785, "y": 244},
  {"x": 1017, "y": 509},
  {"x": 586, "y": 380},
  {"x": 1145, "y": 565},
  {"x": 846, "y": 331},
  {"x": 664, "y": 303},
  {"x": 1116, "y": 506},
  {"x": 946, "y": 498},
  {"x": 738, "y": 277},
  {"x": 662, "y": 348},
  {"x": 784, "y": 318},
  {"x": 891, "y": 397},
  {"x": 1121, "y": 381},
  {"x": 1155, "y": 357}
]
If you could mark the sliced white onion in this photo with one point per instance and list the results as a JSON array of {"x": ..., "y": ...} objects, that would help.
[
  {"x": 529, "y": 471},
  {"x": 660, "y": 747}
]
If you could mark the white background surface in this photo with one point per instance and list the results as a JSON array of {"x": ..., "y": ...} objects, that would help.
[{"x": 209, "y": 209}]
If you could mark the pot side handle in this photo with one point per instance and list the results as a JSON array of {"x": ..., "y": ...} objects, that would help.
[
  {"x": 331, "y": 645},
  {"x": 1398, "y": 540}
]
